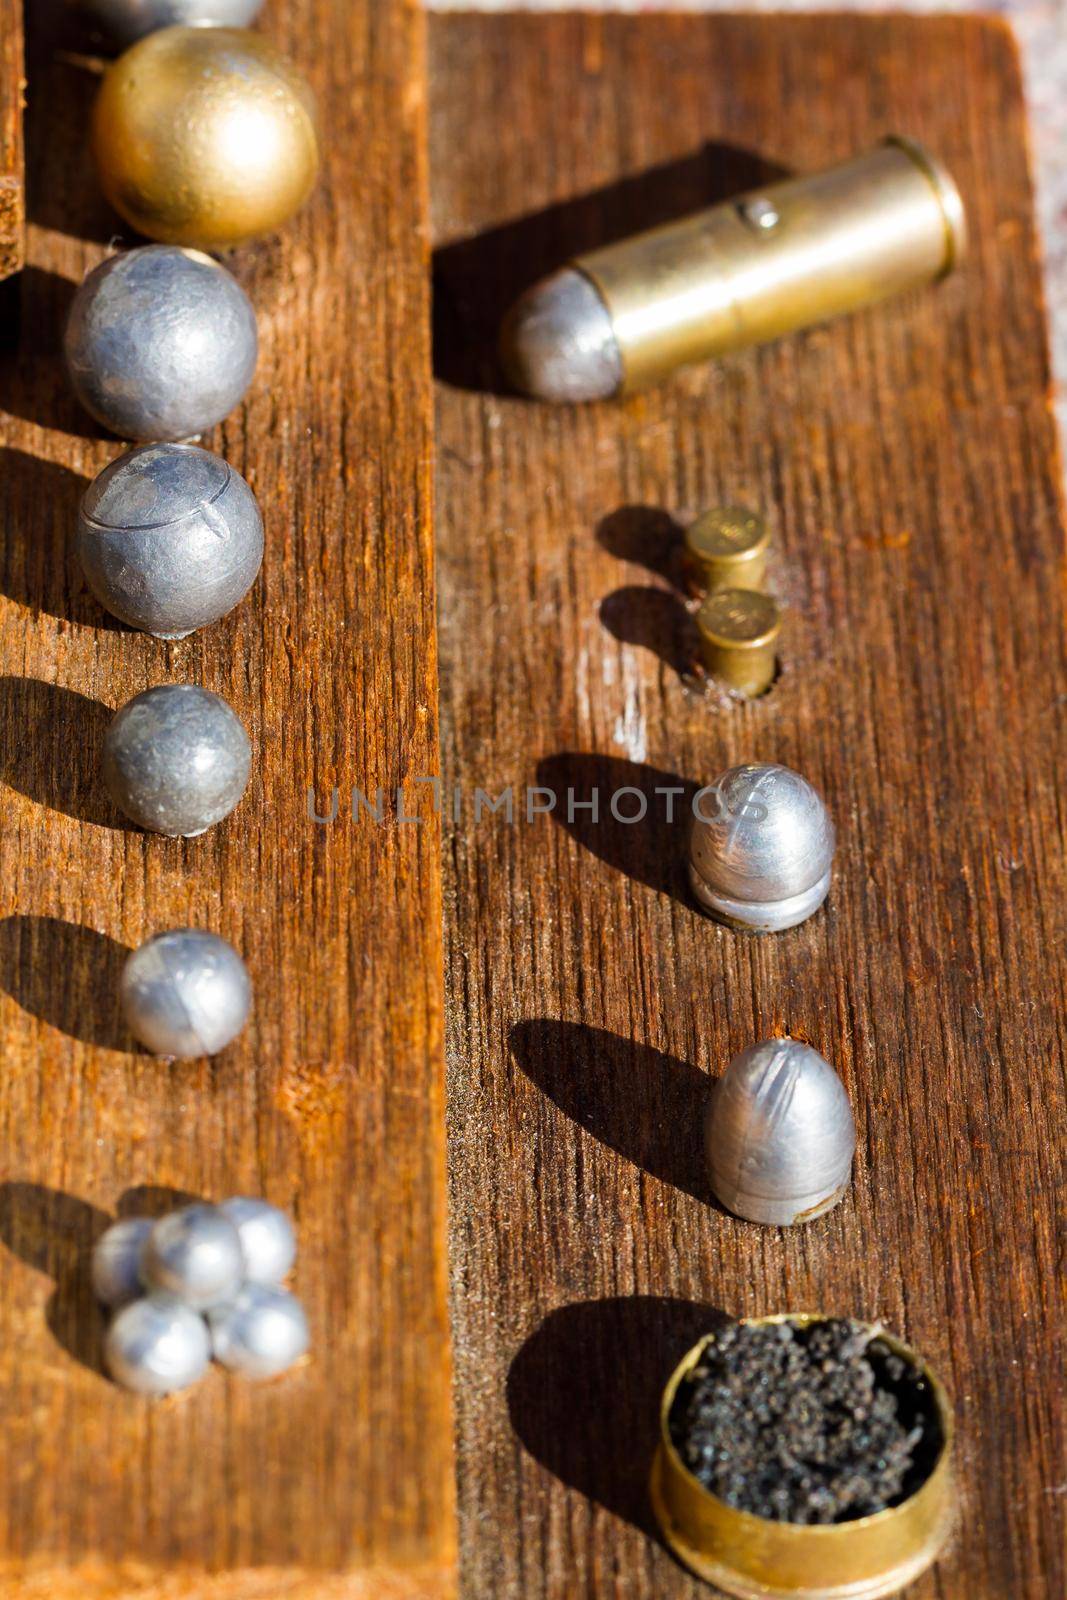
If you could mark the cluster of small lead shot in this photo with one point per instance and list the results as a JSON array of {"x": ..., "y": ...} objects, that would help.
[{"x": 202, "y": 1282}]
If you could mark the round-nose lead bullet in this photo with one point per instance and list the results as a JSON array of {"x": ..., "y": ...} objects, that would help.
[
  {"x": 116, "y": 1261},
  {"x": 261, "y": 1332},
  {"x": 761, "y": 849},
  {"x": 739, "y": 631},
  {"x": 779, "y": 1134},
  {"x": 558, "y": 343},
  {"x": 726, "y": 548}
]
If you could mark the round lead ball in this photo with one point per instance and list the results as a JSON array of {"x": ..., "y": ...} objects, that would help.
[
  {"x": 185, "y": 994},
  {"x": 176, "y": 759},
  {"x": 169, "y": 538},
  {"x": 267, "y": 1238},
  {"x": 160, "y": 343},
  {"x": 157, "y": 1345},
  {"x": 262, "y": 1333},
  {"x": 127, "y": 20},
  {"x": 195, "y": 1254},
  {"x": 779, "y": 1134},
  {"x": 761, "y": 848},
  {"x": 116, "y": 1262}
]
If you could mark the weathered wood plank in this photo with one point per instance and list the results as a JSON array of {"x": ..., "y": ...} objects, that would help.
[
  {"x": 906, "y": 459},
  {"x": 338, "y": 1479},
  {"x": 12, "y": 175}
]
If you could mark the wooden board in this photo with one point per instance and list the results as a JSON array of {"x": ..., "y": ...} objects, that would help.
[
  {"x": 12, "y": 178},
  {"x": 337, "y": 1480},
  {"x": 907, "y": 462}
]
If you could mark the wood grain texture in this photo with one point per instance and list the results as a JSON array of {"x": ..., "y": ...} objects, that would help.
[
  {"x": 907, "y": 460},
  {"x": 12, "y": 175},
  {"x": 336, "y": 1480}
]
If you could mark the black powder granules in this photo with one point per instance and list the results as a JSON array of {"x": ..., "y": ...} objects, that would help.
[{"x": 809, "y": 1423}]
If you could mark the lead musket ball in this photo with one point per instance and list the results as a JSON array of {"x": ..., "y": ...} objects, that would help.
[
  {"x": 157, "y": 1345},
  {"x": 116, "y": 1261},
  {"x": 761, "y": 848},
  {"x": 267, "y": 1238},
  {"x": 185, "y": 993},
  {"x": 169, "y": 537},
  {"x": 160, "y": 343},
  {"x": 779, "y": 1134},
  {"x": 176, "y": 759},
  {"x": 195, "y": 1254},
  {"x": 127, "y": 20},
  {"x": 262, "y": 1333}
]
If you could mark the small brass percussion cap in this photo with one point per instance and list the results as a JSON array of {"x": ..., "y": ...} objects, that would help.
[
  {"x": 726, "y": 548},
  {"x": 739, "y": 631},
  {"x": 756, "y": 1558}
]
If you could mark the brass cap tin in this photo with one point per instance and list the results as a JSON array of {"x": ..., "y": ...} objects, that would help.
[
  {"x": 739, "y": 631},
  {"x": 754, "y": 1558},
  {"x": 778, "y": 259},
  {"x": 726, "y": 548}
]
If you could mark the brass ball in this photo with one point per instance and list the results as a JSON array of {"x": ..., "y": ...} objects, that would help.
[{"x": 205, "y": 137}]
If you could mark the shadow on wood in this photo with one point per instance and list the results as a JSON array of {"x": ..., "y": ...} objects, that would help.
[
  {"x": 43, "y": 573},
  {"x": 583, "y": 1392},
  {"x": 154, "y": 1200},
  {"x": 650, "y": 849},
  {"x": 67, "y": 975},
  {"x": 476, "y": 280},
  {"x": 51, "y": 741},
  {"x": 642, "y": 1103},
  {"x": 33, "y": 376},
  {"x": 61, "y": 88},
  {"x": 645, "y": 536},
  {"x": 654, "y": 619},
  {"x": 54, "y": 1233}
]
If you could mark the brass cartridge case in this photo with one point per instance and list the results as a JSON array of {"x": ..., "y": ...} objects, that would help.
[
  {"x": 778, "y": 259},
  {"x": 754, "y": 1558}
]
